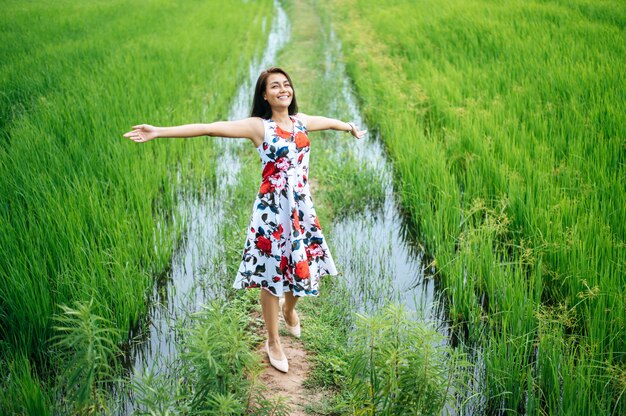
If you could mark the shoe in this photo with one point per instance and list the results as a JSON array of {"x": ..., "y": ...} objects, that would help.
[
  {"x": 280, "y": 365},
  {"x": 293, "y": 330}
]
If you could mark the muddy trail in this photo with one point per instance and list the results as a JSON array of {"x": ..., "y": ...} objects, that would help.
[{"x": 290, "y": 388}]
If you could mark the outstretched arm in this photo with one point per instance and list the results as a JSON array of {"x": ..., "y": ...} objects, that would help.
[
  {"x": 250, "y": 128},
  {"x": 316, "y": 123}
]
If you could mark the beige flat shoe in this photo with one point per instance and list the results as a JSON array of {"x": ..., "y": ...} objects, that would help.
[
  {"x": 293, "y": 330},
  {"x": 280, "y": 365}
]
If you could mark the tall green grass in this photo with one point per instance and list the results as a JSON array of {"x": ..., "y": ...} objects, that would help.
[
  {"x": 505, "y": 123},
  {"x": 86, "y": 214}
]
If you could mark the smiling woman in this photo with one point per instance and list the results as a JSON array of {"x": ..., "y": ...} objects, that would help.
[{"x": 285, "y": 252}]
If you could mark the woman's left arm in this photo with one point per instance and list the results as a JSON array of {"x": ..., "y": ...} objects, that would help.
[{"x": 316, "y": 123}]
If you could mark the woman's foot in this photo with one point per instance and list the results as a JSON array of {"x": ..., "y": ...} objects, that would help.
[
  {"x": 277, "y": 357},
  {"x": 292, "y": 321}
]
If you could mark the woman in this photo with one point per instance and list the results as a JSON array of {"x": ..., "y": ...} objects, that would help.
[{"x": 285, "y": 252}]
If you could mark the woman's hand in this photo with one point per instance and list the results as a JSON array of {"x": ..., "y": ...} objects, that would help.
[
  {"x": 142, "y": 133},
  {"x": 356, "y": 132}
]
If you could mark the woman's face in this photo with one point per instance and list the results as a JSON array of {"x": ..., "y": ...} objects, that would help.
[{"x": 278, "y": 91}]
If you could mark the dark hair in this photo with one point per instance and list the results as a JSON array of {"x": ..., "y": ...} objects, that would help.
[{"x": 260, "y": 107}]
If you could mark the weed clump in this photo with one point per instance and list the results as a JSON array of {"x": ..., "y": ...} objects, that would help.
[
  {"x": 400, "y": 366},
  {"x": 86, "y": 345}
]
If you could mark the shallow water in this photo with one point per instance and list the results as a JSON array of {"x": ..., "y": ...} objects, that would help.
[{"x": 377, "y": 260}]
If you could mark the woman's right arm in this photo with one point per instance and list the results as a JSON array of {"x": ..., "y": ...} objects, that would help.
[{"x": 250, "y": 128}]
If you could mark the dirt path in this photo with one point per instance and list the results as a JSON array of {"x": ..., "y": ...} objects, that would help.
[
  {"x": 289, "y": 385},
  {"x": 306, "y": 24}
]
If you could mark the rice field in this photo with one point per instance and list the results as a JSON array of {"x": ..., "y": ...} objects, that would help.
[
  {"x": 504, "y": 126},
  {"x": 87, "y": 219},
  {"x": 505, "y": 122}
]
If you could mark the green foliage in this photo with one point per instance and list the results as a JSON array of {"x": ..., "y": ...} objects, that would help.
[
  {"x": 86, "y": 347},
  {"x": 85, "y": 213},
  {"x": 218, "y": 357},
  {"x": 328, "y": 322},
  {"x": 350, "y": 187},
  {"x": 398, "y": 366},
  {"x": 23, "y": 393},
  {"x": 156, "y": 395},
  {"x": 217, "y": 371},
  {"x": 504, "y": 125},
  {"x": 218, "y": 351}
]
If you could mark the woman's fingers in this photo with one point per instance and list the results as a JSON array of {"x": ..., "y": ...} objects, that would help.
[
  {"x": 139, "y": 133},
  {"x": 135, "y": 136},
  {"x": 360, "y": 133}
]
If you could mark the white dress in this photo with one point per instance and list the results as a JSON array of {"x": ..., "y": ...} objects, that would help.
[{"x": 285, "y": 250}]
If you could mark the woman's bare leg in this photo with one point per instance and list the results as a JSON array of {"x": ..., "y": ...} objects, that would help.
[
  {"x": 290, "y": 309},
  {"x": 269, "y": 305}
]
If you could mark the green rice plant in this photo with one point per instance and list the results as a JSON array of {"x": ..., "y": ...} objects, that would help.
[
  {"x": 513, "y": 181},
  {"x": 155, "y": 394},
  {"x": 358, "y": 191},
  {"x": 24, "y": 395},
  {"x": 87, "y": 349},
  {"x": 328, "y": 320},
  {"x": 86, "y": 214}
]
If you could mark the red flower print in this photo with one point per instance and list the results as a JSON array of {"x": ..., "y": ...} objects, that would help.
[
  {"x": 300, "y": 157},
  {"x": 276, "y": 234},
  {"x": 282, "y": 164},
  {"x": 317, "y": 223},
  {"x": 264, "y": 244},
  {"x": 314, "y": 251},
  {"x": 266, "y": 187},
  {"x": 278, "y": 182},
  {"x": 302, "y": 269},
  {"x": 296, "y": 221},
  {"x": 282, "y": 133},
  {"x": 269, "y": 169},
  {"x": 302, "y": 140},
  {"x": 276, "y": 279},
  {"x": 283, "y": 264}
]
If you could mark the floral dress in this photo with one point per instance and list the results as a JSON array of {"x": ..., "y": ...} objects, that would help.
[{"x": 285, "y": 250}]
